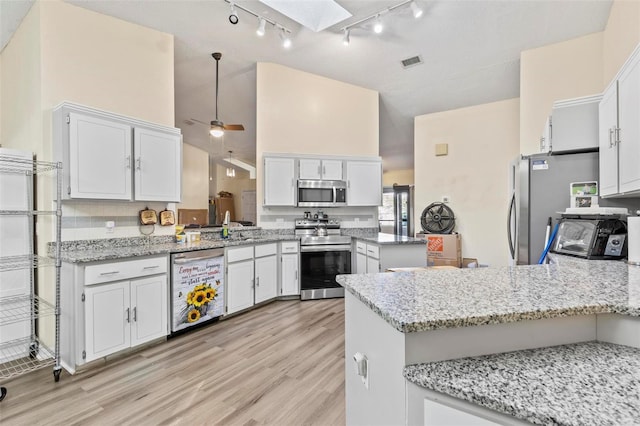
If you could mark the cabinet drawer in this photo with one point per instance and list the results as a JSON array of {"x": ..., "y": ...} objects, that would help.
[
  {"x": 361, "y": 247},
  {"x": 240, "y": 253},
  {"x": 289, "y": 247},
  {"x": 116, "y": 271},
  {"x": 266, "y": 249},
  {"x": 373, "y": 251}
]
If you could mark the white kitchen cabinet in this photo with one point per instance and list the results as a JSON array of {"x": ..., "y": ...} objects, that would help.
[
  {"x": 279, "y": 181},
  {"x": 158, "y": 165},
  {"x": 124, "y": 314},
  {"x": 312, "y": 168},
  {"x": 572, "y": 125},
  {"x": 240, "y": 286},
  {"x": 364, "y": 183},
  {"x": 107, "y": 307},
  {"x": 361, "y": 263},
  {"x": 372, "y": 258},
  {"x": 290, "y": 268},
  {"x": 367, "y": 258},
  {"x": 112, "y": 157},
  {"x": 266, "y": 270},
  {"x": 619, "y": 133}
]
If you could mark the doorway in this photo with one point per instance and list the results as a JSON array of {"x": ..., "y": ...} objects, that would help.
[{"x": 395, "y": 216}]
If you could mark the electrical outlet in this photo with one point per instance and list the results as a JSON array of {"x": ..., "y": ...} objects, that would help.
[
  {"x": 110, "y": 225},
  {"x": 446, "y": 199}
]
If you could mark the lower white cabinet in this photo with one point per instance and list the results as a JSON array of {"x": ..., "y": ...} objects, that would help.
[
  {"x": 107, "y": 307},
  {"x": 371, "y": 258},
  {"x": 367, "y": 258},
  {"x": 266, "y": 284},
  {"x": 240, "y": 290},
  {"x": 124, "y": 314},
  {"x": 289, "y": 268}
]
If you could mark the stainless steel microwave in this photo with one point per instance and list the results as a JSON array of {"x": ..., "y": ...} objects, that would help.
[{"x": 322, "y": 193}]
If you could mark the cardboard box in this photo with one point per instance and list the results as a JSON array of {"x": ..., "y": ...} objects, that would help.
[{"x": 443, "y": 249}]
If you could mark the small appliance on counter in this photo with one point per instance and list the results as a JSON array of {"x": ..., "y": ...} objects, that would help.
[{"x": 591, "y": 236}]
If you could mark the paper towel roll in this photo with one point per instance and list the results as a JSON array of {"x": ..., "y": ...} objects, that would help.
[{"x": 633, "y": 239}]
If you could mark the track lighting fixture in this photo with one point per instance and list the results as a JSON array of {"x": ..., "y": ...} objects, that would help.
[
  {"x": 345, "y": 37},
  {"x": 378, "y": 27},
  {"x": 233, "y": 18},
  {"x": 284, "y": 32},
  {"x": 417, "y": 12},
  {"x": 286, "y": 41},
  {"x": 261, "y": 27}
]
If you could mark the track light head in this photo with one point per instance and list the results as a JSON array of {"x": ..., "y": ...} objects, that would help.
[
  {"x": 261, "y": 27},
  {"x": 345, "y": 37},
  {"x": 286, "y": 41},
  {"x": 417, "y": 12},
  {"x": 378, "y": 27},
  {"x": 233, "y": 17}
]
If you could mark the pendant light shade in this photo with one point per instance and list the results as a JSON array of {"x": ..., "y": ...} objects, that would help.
[{"x": 217, "y": 129}]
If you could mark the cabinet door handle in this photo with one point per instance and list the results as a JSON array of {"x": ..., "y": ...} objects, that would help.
[
  {"x": 109, "y": 273},
  {"x": 611, "y": 143},
  {"x": 150, "y": 267},
  {"x": 324, "y": 170},
  {"x": 127, "y": 162},
  {"x": 258, "y": 281},
  {"x": 296, "y": 275},
  {"x": 128, "y": 315},
  {"x": 618, "y": 135},
  {"x": 138, "y": 163},
  {"x": 319, "y": 170},
  {"x": 135, "y": 315}
]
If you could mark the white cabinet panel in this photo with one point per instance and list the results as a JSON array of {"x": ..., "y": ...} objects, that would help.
[
  {"x": 158, "y": 165},
  {"x": 373, "y": 265},
  {"x": 108, "y": 316},
  {"x": 361, "y": 263},
  {"x": 364, "y": 180},
  {"x": 629, "y": 123},
  {"x": 266, "y": 284},
  {"x": 100, "y": 158},
  {"x": 279, "y": 181},
  {"x": 240, "y": 291},
  {"x": 148, "y": 309},
  {"x": 309, "y": 168},
  {"x": 332, "y": 169},
  {"x": 290, "y": 274},
  {"x": 608, "y": 122}
]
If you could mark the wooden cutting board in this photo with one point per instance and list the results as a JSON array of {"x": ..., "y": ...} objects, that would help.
[{"x": 193, "y": 216}]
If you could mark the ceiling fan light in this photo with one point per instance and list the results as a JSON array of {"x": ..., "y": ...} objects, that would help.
[
  {"x": 417, "y": 12},
  {"x": 261, "y": 27},
  {"x": 217, "y": 129}
]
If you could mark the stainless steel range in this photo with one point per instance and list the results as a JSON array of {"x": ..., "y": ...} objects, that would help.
[{"x": 324, "y": 253}]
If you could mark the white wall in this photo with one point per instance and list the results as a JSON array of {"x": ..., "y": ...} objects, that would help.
[
  {"x": 558, "y": 71},
  {"x": 621, "y": 36},
  {"x": 400, "y": 177},
  {"x": 195, "y": 178},
  {"x": 481, "y": 141},
  {"x": 303, "y": 113}
]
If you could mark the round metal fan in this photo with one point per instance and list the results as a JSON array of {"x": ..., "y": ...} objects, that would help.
[{"x": 437, "y": 218}]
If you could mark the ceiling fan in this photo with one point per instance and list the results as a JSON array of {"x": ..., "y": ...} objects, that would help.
[{"x": 218, "y": 127}]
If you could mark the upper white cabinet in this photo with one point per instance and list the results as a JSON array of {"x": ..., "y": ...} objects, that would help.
[
  {"x": 112, "y": 157},
  {"x": 364, "y": 183},
  {"x": 572, "y": 126},
  {"x": 279, "y": 181},
  {"x": 620, "y": 132},
  {"x": 312, "y": 168}
]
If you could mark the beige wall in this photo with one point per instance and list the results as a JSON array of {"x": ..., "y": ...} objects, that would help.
[
  {"x": 558, "y": 71},
  {"x": 195, "y": 178},
  {"x": 234, "y": 185},
  {"x": 621, "y": 36},
  {"x": 400, "y": 177},
  {"x": 302, "y": 113},
  {"x": 482, "y": 141}
]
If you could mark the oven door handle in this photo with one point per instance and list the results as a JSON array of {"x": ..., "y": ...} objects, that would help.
[{"x": 325, "y": 247}]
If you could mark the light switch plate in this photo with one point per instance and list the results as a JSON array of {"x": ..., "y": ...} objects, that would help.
[{"x": 442, "y": 149}]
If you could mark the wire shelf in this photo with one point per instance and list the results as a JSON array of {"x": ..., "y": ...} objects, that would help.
[
  {"x": 14, "y": 164},
  {"x": 13, "y": 263},
  {"x": 21, "y": 308},
  {"x": 23, "y": 355}
]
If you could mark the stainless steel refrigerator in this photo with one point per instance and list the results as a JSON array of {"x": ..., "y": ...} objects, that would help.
[{"x": 539, "y": 190}]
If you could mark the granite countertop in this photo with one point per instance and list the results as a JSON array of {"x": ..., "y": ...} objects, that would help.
[
  {"x": 391, "y": 239},
  {"x": 87, "y": 254},
  {"x": 590, "y": 383},
  {"x": 438, "y": 299}
]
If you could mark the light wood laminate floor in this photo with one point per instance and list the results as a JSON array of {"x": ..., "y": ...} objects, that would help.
[{"x": 280, "y": 364}]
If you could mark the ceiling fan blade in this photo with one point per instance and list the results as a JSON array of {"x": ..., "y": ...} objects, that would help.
[
  {"x": 198, "y": 121},
  {"x": 233, "y": 127}
]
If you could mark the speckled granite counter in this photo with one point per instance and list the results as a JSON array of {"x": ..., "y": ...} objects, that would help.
[
  {"x": 581, "y": 384},
  {"x": 391, "y": 239},
  {"x": 93, "y": 253},
  {"x": 438, "y": 299}
]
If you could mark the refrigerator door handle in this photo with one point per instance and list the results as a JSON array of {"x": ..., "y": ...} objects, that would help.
[{"x": 512, "y": 211}]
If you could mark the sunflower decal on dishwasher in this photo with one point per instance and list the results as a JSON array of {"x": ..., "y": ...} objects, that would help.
[{"x": 198, "y": 301}]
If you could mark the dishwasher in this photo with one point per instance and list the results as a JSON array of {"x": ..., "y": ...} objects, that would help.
[{"x": 197, "y": 288}]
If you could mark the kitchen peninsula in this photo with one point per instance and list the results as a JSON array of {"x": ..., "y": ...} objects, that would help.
[{"x": 394, "y": 320}]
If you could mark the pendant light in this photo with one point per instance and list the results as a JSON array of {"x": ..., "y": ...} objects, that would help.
[{"x": 231, "y": 172}]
